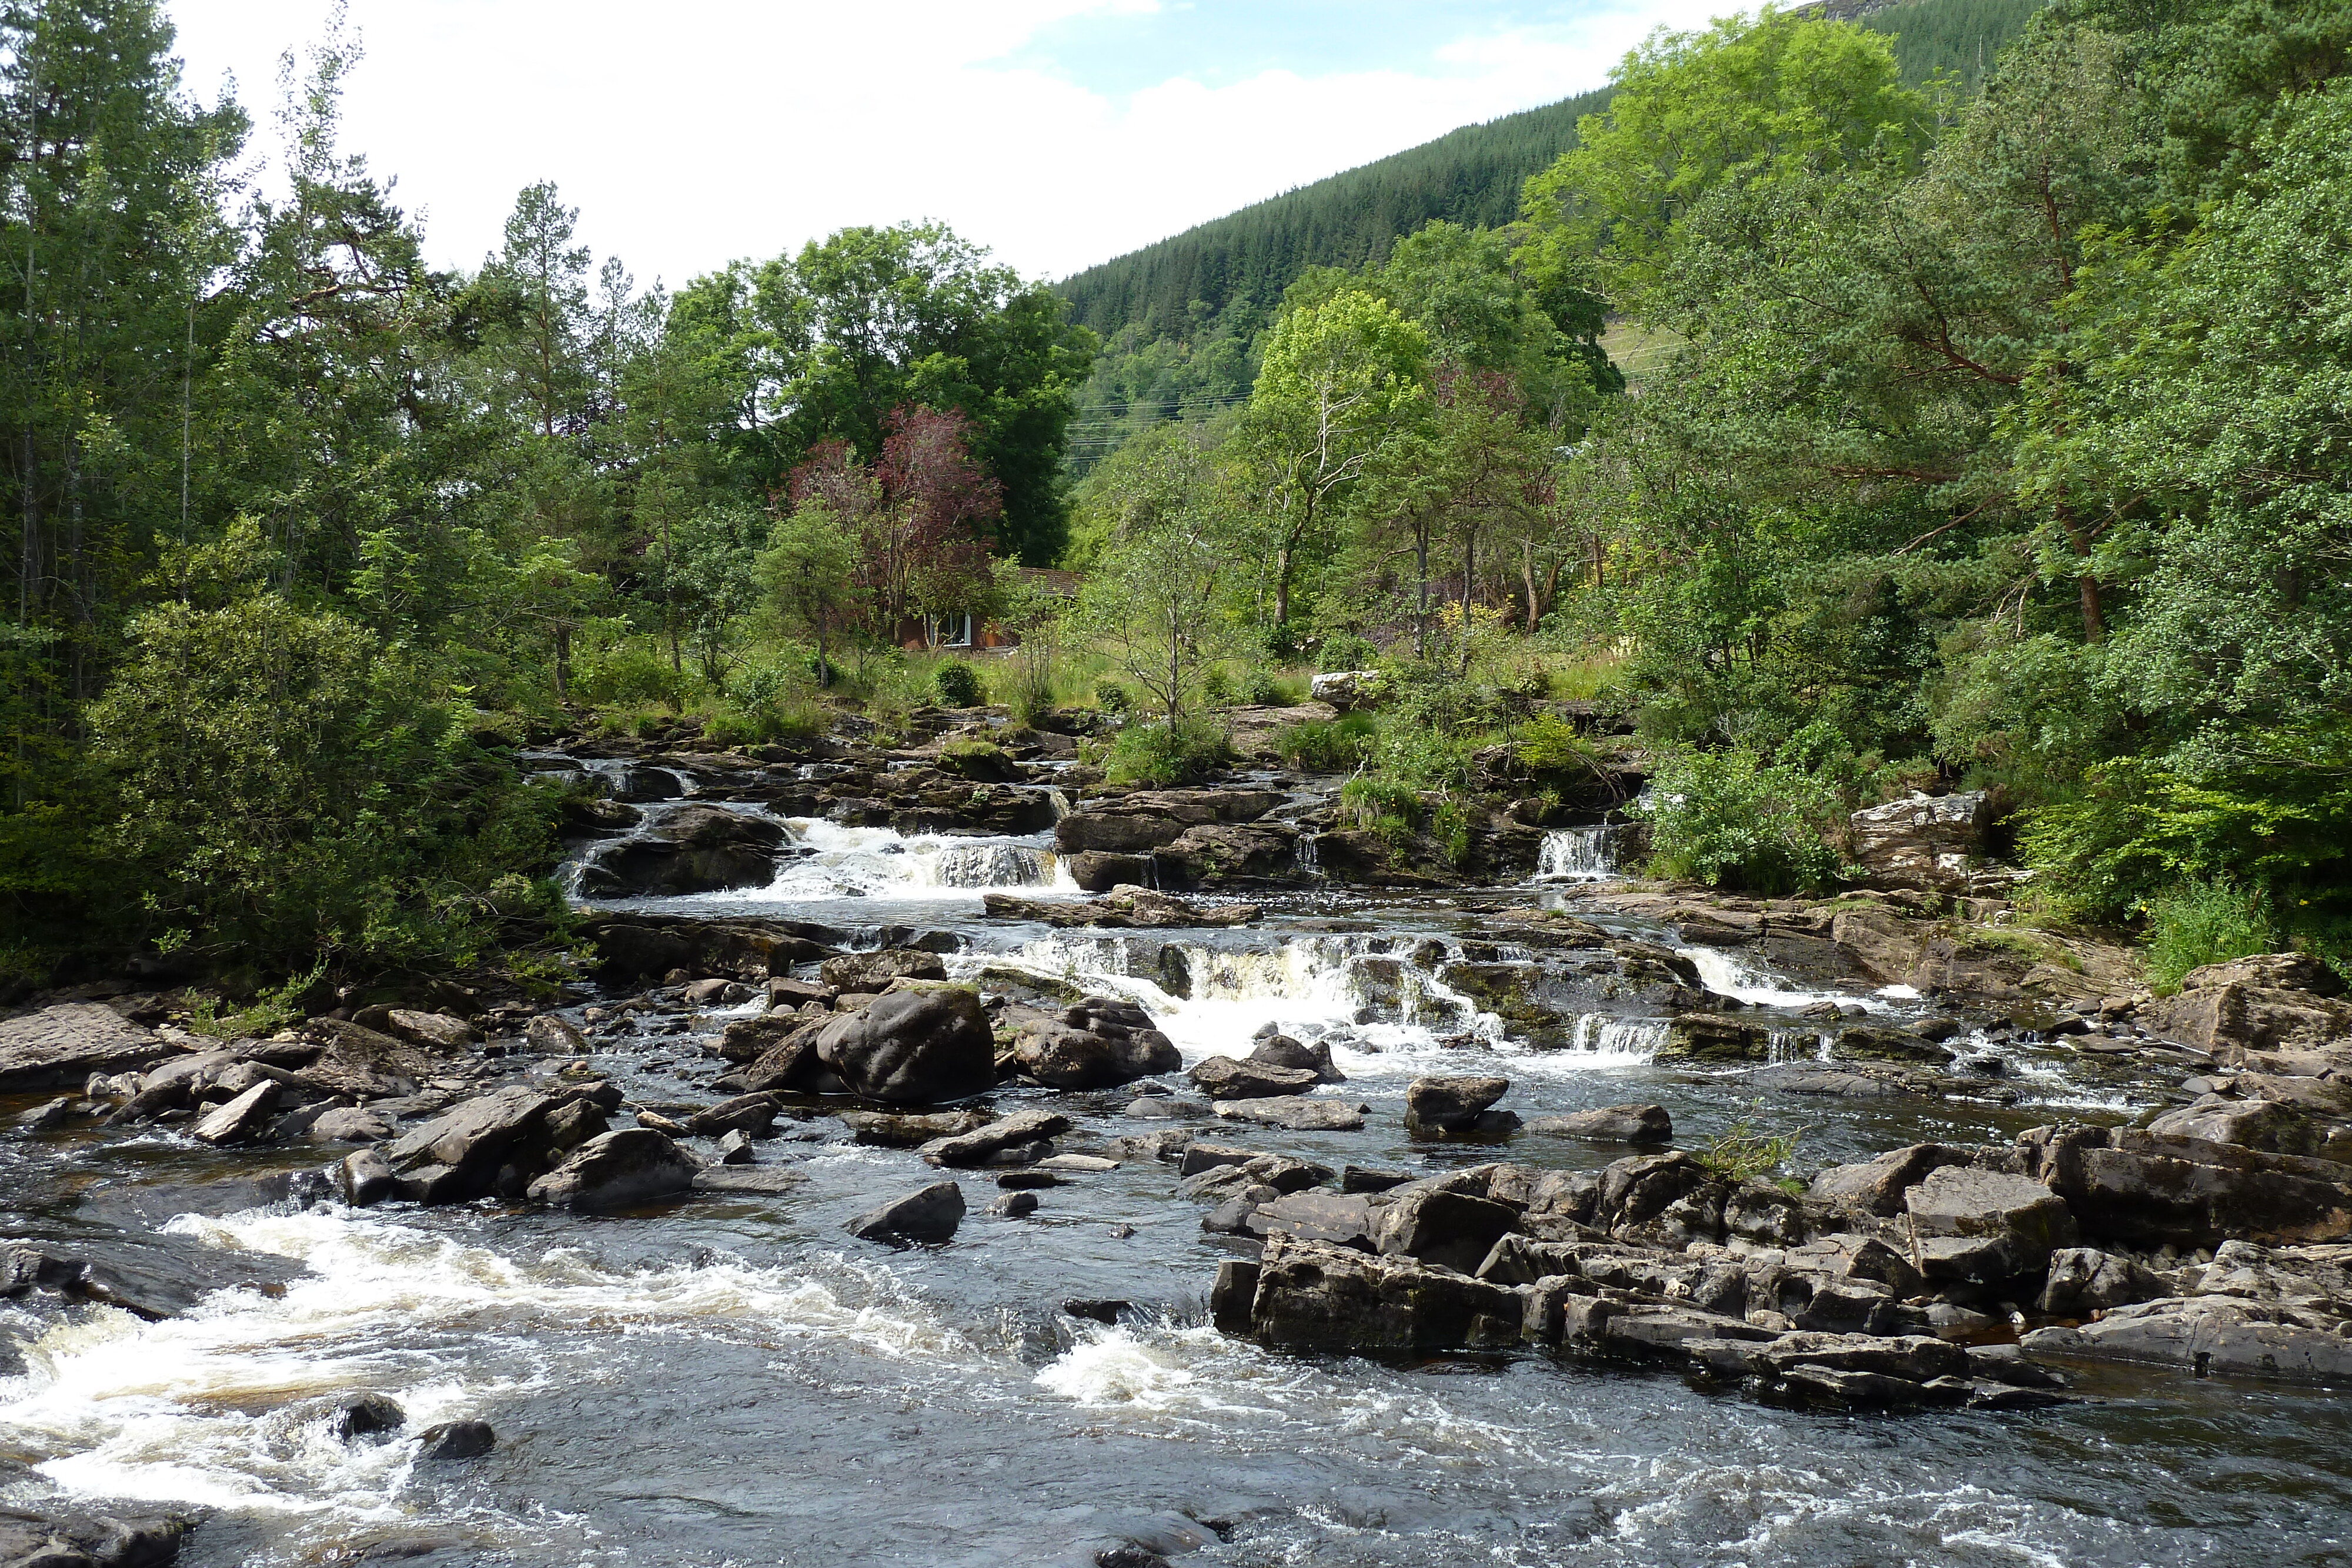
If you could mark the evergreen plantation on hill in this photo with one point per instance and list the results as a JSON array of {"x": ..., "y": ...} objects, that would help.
[{"x": 1471, "y": 176}]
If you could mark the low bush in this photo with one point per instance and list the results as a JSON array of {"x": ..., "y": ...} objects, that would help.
[
  {"x": 1326, "y": 746},
  {"x": 957, "y": 684},
  {"x": 1725, "y": 818},
  {"x": 1161, "y": 755},
  {"x": 2205, "y": 922},
  {"x": 1112, "y": 697},
  {"x": 1743, "y": 1152},
  {"x": 1347, "y": 650}
]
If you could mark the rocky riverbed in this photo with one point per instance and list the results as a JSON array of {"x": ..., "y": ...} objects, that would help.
[{"x": 942, "y": 1159}]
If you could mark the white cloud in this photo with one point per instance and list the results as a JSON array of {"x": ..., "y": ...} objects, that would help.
[{"x": 712, "y": 129}]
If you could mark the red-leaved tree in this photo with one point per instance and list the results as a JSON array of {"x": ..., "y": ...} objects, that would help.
[{"x": 921, "y": 514}]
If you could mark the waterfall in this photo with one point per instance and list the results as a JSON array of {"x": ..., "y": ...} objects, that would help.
[
  {"x": 1578, "y": 854},
  {"x": 984, "y": 863}
]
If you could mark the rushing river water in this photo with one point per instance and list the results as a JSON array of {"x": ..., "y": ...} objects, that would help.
[{"x": 731, "y": 1380}]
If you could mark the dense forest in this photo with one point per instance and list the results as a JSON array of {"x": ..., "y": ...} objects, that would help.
[
  {"x": 2003, "y": 442},
  {"x": 1181, "y": 319}
]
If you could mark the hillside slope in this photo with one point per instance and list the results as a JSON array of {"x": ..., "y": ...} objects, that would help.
[{"x": 1469, "y": 176}]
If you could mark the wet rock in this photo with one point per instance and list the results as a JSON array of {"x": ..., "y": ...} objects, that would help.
[
  {"x": 1281, "y": 1051},
  {"x": 1014, "y": 1204},
  {"x": 435, "y": 1032},
  {"x": 887, "y": 1130},
  {"x": 1097, "y": 1044},
  {"x": 1877, "y": 1186},
  {"x": 1148, "y": 819},
  {"x": 1440, "y": 1106},
  {"x": 1610, "y": 1124},
  {"x": 874, "y": 971},
  {"x": 1313, "y": 1296},
  {"x": 1890, "y": 1045},
  {"x": 1099, "y": 870},
  {"x": 2211, "y": 1336},
  {"x": 1224, "y": 1078},
  {"x": 153, "y": 1277},
  {"x": 929, "y": 1215},
  {"x": 912, "y": 1048},
  {"x": 242, "y": 1120},
  {"x": 2083, "y": 1281},
  {"x": 750, "y": 1181},
  {"x": 1636, "y": 1191},
  {"x": 1019, "y": 1132},
  {"x": 365, "y": 1178},
  {"x": 2276, "y": 1127},
  {"x": 2029, "y": 1219},
  {"x": 1451, "y": 1229},
  {"x": 83, "y": 1540},
  {"x": 2143, "y": 1190},
  {"x": 552, "y": 1035},
  {"x": 1296, "y": 1112},
  {"x": 735, "y": 1148},
  {"x": 1365, "y": 1178},
  {"x": 697, "y": 848},
  {"x": 641, "y": 946},
  {"x": 1342, "y": 1219},
  {"x": 753, "y": 1115},
  {"x": 59, "y": 1047},
  {"x": 615, "y": 1170},
  {"x": 1712, "y": 1037},
  {"x": 787, "y": 994},
  {"x": 371, "y": 1415},
  {"x": 456, "y": 1157},
  {"x": 349, "y": 1125},
  {"x": 454, "y": 1440}
]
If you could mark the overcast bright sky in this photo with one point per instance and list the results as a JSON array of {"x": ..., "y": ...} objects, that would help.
[{"x": 1057, "y": 132}]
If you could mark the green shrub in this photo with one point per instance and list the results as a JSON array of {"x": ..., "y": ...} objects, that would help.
[
  {"x": 282, "y": 784},
  {"x": 1326, "y": 746},
  {"x": 1264, "y": 688},
  {"x": 2204, "y": 923},
  {"x": 1450, "y": 825},
  {"x": 1742, "y": 1153},
  {"x": 1725, "y": 818},
  {"x": 1157, "y": 755},
  {"x": 1112, "y": 697},
  {"x": 1347, "y": 650},
  {"x": 625, "y": 672},
  {"x": 1549, "y": 744},
  {"x": 957, "y": 684}
]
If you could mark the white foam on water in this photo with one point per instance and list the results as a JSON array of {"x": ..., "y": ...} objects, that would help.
[
  {"x": 224, "y": 1407},
  {"x": 1578, "y": 854},
  {"x": 1315, "y": 987},
  {"x": 1727, "y": 974}
]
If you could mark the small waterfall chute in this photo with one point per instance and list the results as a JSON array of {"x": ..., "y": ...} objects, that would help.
[{"x": 1578, "y": 854}]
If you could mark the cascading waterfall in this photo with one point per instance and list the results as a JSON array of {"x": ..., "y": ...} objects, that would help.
[{"x": 1578, "y": 854}]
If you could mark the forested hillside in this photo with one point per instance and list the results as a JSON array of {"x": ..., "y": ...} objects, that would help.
[{"x": 1470, "y": 176}]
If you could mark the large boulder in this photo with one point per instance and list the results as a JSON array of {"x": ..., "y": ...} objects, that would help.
[
  {"x": 931, "y": 1214},
  {"x": 1922, "y": 840},
  {"x": 615, "y": 1170},
  {"x": 1314, "y": 1296},
  {"x": 1148, "y": 819},
  {"x": 2083, "y": 1281},
  {"x": 61, "y": 1046},
  {"x": 2274, "y": 1002},
  {"x": 2277, "y": 1126},
  {"x": 647, "y": 946},
  {"x": 2141, "y": 1188},
  {"x": 1712, "y": 1037},
  {"x": 1433, "y": 1224},
  {"x": 2026, "y": 1219},
  {"x": 696, "y": 849},
  {"x": 458, "y": 1154},
  {"x": 1346, "y": 690},
  {"x": 1226, "y": 1078},
  {"x": 1612, "y": 1124},
  {"x": 1296, "y": 1112},
  {"x": 1281, "y": 1051},
  {"x": 1017, "y": 1134},
  {"x": 913, "y": 1048},
  {"x": 1877, "y": 1186},
  {"x": 1097, "y": 1044},
  {"x": 1436, "y": 1107},
  {"x": 2210, "y": 1336}
]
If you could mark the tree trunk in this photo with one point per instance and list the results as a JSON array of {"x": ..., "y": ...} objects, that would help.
[
  {"x": 1527, "y": 574},
  {"x": 2095, "y": 620}
]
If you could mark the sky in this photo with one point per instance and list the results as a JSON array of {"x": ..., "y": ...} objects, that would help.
[{"x": 1057, "y": 132}]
